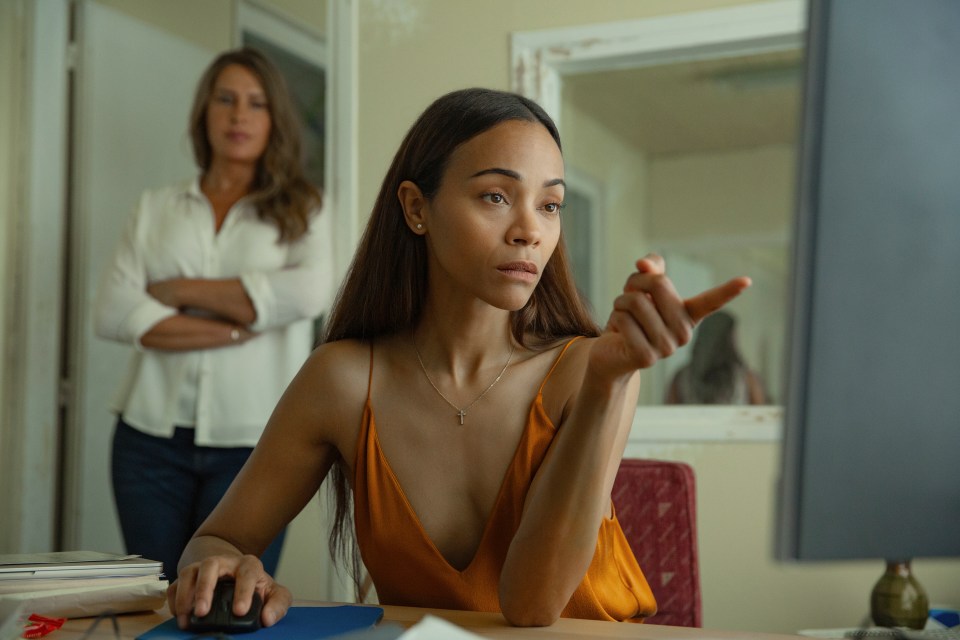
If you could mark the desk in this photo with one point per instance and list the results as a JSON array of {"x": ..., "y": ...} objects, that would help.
[{"x": 487, "y": 625}]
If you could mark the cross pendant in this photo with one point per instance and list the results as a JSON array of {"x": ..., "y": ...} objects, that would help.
[{"x": 461, "y": 413}]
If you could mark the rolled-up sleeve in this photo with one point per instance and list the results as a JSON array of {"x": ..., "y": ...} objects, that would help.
[
  {"x": 123, "y": 310},
  {"x": 301, "y": 290}
]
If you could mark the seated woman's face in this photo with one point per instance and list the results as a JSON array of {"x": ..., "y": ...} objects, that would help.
[
  {"x": 495, "y": 220},
  {"x": 238, "y": 116}
]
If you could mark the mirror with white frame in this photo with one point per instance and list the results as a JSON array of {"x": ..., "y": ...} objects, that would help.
[{"x": 680, "y": 140}]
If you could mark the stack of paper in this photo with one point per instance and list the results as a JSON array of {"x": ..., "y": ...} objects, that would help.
[{"x": 81, "y": 583}]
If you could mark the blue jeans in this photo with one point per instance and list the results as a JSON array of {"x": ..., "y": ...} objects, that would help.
[{"x": 165, "y": 487}]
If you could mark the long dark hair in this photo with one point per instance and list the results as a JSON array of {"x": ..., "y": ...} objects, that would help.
[
  {"x": 280, "y": 191},
  {"x": 716, "y": 366},
  {"x": 386, "y": 286}
]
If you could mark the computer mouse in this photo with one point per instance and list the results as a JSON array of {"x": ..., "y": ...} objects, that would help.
[{"x": 221, "y": 617}]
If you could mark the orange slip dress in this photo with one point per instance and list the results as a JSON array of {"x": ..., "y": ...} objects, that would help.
[{"x": 408, "y": 570}]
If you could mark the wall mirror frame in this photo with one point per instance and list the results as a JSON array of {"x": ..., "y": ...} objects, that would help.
[
  {"x": 301, "y": 54},
  {"x": 540, "y": 60},
  {"x": 335, "y": 51}
]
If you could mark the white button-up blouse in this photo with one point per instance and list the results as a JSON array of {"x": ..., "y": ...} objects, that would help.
[{"x": 170, "y": 235}]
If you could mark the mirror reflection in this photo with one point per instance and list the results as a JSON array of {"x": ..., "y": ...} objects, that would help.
[{"x": 693, "y": 160}]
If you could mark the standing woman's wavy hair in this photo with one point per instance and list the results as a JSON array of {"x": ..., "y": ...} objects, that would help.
[
  {"x": 385, "y": 289},
  {"x": 280, "y": 191}
]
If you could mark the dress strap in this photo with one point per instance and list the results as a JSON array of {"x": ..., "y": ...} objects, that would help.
[{"x": 556, "y": 362}]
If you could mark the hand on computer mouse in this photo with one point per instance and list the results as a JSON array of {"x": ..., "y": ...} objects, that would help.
[
  {"x": 193, "y": 591},
  {"x": 221, "y": 616}
]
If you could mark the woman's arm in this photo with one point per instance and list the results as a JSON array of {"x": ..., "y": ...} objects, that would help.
[
  {"x": 189, "y": 333},
  {"x": 263, "y": 300},
  {"x": 123, "y": 310},
  {"x": 570, "y": 494},
  {"x": 129, "y": 305},
  {"x": 130, "y": 308},
  {"x": 566, "y": 502},
  {"x": 224, "y": 298},
  {"x": 301, "y": 442},
  {"x": 285, "y": 470}
]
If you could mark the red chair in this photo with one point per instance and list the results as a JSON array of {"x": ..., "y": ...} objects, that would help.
[{"x": 656, "y": 506}]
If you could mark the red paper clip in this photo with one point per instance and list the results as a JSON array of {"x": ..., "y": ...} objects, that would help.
[{"x": 41, "y": 626}]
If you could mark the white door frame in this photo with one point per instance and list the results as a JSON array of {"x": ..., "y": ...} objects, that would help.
[
  {"x": 30, "y": 475},
  {"x": 540, "y": 60},
  {"x": 344, "y": 21}
]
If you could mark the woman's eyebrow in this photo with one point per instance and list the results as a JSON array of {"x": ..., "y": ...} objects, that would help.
[
  {"x": 496, "y": 170},
  {"x": 516, "y": 176},
  {"x": 252, "y": 92}
]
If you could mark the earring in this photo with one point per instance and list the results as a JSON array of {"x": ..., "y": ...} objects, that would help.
[{"x": 419, "y": 226}]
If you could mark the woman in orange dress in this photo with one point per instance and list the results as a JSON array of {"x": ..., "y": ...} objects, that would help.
[{"x": 466, "y": 402}]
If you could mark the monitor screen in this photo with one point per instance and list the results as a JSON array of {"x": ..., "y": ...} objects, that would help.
[{"x": 871, "y": 455}]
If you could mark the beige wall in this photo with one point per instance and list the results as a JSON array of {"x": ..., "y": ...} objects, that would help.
[
  {"x": 413, "y": 51},
  {"x": 312, "y": 13},
  {"x": 208, "y": 24},
  {"x": 714, "y": 194}
]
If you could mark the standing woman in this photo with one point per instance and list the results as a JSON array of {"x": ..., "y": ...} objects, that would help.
[
  {"x": 215, "y": 282},
  {"x": 463, "y": 396}
]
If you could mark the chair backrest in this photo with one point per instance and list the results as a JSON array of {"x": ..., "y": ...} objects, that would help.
[{"x": 656, "y": 506}]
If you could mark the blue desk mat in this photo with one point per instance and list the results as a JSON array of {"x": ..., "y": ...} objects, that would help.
[{"x": 300, "y": 623}]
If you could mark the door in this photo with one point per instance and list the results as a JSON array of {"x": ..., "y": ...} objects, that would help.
[{"x": 134, "y": 87}]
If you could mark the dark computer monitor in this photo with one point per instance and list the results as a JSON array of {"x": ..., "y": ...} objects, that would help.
[{"x": 871, "y": 457}]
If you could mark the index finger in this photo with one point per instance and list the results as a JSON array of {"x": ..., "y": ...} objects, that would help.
[
  {"x": 181, "y": 597},
  {"x": 195, "y": 586},
  {"x": 701, "y": 305}
]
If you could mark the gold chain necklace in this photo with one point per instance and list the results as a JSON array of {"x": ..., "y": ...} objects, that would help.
[{"x": 462, "y": 412}]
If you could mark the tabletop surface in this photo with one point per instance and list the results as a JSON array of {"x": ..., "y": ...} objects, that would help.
[{"x": 487, "y": 625}]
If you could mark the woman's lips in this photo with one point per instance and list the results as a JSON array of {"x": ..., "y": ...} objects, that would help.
[{"x": 520, "y": 270}]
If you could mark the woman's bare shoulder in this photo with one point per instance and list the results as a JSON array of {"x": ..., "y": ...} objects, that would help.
[
  {"x": 325, "y": 401},
  {"x": 339, "y": 367}
]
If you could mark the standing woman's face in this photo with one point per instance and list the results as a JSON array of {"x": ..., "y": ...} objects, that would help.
[{"x": 238, "y": 117}]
